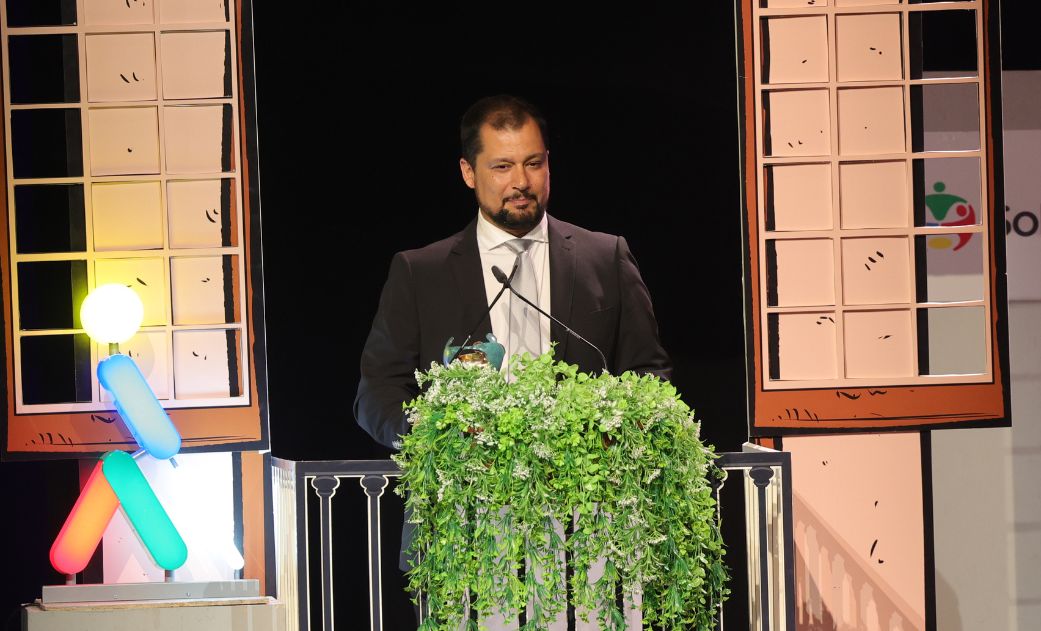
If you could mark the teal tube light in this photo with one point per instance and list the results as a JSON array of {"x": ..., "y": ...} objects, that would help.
[{"x": 142, "y": 508}]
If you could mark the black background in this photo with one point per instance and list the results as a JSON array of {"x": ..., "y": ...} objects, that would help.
[
  {"x": 358, "y": 109},
  {"x": 643, "y": 131}
]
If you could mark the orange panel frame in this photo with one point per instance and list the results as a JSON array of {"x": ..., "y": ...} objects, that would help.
[{"x": 882, "y": 408}]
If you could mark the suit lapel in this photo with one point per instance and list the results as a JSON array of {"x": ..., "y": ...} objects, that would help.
[
  {"x": 465, "y": 263},
  {"x": 562, "y": 282}
]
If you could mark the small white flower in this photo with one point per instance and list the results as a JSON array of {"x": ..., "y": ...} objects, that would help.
[
  {"x": 521, "y": 470},
  {"x": 542, "y": 451},
  {"x": 445, "y": 483},
  {"x": 613, "y": 423},
  {"x": 636, "y": 521}
]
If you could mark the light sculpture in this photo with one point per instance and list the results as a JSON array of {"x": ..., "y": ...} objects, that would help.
[{"x": 111, "y": 314}]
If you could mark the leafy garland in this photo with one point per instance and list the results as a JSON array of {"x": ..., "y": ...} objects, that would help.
[{"x": 490, "y": 465}]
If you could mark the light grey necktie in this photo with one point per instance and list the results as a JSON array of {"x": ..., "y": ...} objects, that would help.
[{"x": 525, "y": 332}]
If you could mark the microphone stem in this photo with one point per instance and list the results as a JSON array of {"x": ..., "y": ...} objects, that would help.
[
  {"x": 566, "y": 327},
  {"x": 469, "y": 335}
]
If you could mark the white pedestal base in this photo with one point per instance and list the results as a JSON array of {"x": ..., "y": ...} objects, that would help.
[{"x": 217, "y": 614}]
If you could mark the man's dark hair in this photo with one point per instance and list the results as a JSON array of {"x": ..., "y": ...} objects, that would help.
[{"x": 501, "y": 112}]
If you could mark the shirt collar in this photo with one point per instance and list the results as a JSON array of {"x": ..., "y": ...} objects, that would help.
[{"x": 490, "y": 236}]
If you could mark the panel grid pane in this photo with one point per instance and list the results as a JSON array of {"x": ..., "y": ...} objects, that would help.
[
  {"x": 869, "y": 168},
  {"x": 153, "y": 145}
]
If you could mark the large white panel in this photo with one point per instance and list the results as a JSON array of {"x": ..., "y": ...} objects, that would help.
[
  {"x": 985, "y": 493},
  {"x": 1022, "y": 148},
  {"x": 1025, "y": 340},
  {"x": 972, "y": 504}
]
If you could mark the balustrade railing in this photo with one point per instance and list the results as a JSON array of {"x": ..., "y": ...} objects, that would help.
[{"x": 765, "y": 476}]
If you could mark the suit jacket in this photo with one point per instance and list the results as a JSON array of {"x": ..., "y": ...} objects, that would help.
[{"x": 437, "y": 292}]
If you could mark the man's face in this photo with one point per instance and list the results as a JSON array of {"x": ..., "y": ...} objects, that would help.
[{"x": 510, "y": 177}]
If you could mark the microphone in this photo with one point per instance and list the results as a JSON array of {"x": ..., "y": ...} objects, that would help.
[
  {"x": 505, "y": 280},
  {"x": 494, "y": 300}
]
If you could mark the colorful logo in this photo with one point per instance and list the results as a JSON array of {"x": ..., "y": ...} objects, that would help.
[
  {"x": 111, "y": 314},
  {"x": 949, "y": 210},
  {"x": 117, "y": 481}
]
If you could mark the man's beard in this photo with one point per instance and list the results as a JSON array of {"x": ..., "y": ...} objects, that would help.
[{"x": 526, "y": 222}]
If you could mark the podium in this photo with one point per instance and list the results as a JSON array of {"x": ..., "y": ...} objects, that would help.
[
  {"x": 490, "y": 466},
  {"x": 302, "y": 497}
]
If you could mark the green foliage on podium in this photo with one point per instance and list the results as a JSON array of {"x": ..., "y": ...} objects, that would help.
[{"x": 490, "y": 465}]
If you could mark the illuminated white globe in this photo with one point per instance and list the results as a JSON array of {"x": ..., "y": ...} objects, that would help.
[{"x": 112, "y": 314}]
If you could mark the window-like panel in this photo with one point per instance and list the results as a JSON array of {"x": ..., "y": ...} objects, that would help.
[
  {"x": 129, "y": 162},
  {"x": 874, "y": 258}
]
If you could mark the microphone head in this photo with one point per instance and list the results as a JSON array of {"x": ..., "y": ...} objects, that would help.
[{"x": 499, "y": 274}]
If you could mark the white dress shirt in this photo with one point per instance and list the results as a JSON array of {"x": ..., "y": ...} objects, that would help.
[{"x": 491, "y": 244}]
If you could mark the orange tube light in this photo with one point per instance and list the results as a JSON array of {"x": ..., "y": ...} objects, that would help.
[{"x": 85, "y": 525}]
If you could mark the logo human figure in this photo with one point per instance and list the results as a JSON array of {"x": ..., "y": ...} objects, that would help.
[{"x": 941, "y": 204}]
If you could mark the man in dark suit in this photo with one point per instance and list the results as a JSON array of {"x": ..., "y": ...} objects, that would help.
[
  {"x": 588, "y": 280},
  {"x": 442, "y": 290}
]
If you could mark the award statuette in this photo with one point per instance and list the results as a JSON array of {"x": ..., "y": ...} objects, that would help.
[{"x": 490, "y": 352}]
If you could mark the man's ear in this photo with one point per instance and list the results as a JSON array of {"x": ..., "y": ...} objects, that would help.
[{"x": 467, "y": 172}]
